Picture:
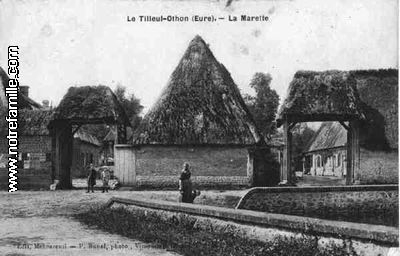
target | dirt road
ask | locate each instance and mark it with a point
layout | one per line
(34, 222)
(40, 223)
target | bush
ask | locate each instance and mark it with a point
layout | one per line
(181, 235)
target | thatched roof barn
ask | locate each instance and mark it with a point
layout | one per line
(200, 118)
(91, 104)
(378, 93)
(201, 104)
(30, 122)
(322, 96)
(378, 90)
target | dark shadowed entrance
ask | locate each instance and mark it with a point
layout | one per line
(82, 105)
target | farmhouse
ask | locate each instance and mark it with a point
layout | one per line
(199, 118)
(84, 105)
(36, 144)
(326, 154)
(35, 154)
(378, 138)
(86, 149)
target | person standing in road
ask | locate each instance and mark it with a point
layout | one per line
(105, 177)
(187, 195)
(91, 180)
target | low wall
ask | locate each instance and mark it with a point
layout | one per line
(363, 238)
(28, 179)
(351, 203)
(379, 167)
(203, 160)
(171, 182)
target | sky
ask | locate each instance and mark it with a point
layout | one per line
(83, 42)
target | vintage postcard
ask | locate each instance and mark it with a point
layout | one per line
(229, 127)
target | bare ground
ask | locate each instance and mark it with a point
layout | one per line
(44, 219)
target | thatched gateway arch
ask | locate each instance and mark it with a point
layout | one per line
(322, 96)
(82, 105)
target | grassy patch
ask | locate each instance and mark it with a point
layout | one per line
(181, 235)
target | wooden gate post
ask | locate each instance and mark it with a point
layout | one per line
(353, 174)
(63, 153)
(355, 151)
(286, 175)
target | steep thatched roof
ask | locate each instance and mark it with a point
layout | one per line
(378, 91)
(86, 137)
(321, 96)
(24, 102)
(111, 136)
(4, 82)
(329, 135)
(91, 104)
(201, 104)
(30, 122)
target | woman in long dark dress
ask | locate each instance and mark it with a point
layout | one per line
(91, 180)
(185, 184)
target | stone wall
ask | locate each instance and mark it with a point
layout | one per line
(28, 179)
(212, 166)
(204, 161)
(362, 238)
(349, 203)
(35, 170)
(378, 167)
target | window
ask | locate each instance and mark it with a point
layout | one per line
(83, 162)
(3, 160)
(33, 160)
(339, 160)
(318, 161)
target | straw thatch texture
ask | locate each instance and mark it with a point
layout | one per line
(4, 82)
(200, 105)
(378, 90)
(86, 137)
(321, 95)
(30, 122)
(91, 104)
(329, 135)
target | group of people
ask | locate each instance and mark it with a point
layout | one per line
(187, 194)
(104, 176)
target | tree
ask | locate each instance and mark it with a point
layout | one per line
(131, 105)
(302, 135)
(264, 105)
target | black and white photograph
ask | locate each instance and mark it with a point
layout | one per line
(206, 127)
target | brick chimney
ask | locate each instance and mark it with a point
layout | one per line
(46, 104)
(24, 89)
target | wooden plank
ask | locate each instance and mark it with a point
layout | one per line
(356, 151)
(124, 156)
(130, 168)
(286, 176)
(117, 162)
(121, 159)
(349, 162)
